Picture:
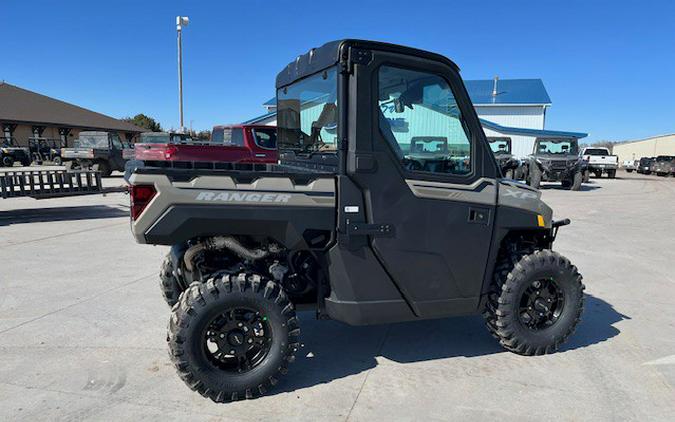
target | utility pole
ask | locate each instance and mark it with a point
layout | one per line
(181, 21)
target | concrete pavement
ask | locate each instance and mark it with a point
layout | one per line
(82, 329)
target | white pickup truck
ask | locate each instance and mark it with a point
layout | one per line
(600, 160)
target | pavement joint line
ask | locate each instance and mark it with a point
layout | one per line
(77, 303)
(47, 347)
(62, 235)
(109, 397)
(379, 353)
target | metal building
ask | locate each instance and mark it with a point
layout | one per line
(649, 147)
(513, 108)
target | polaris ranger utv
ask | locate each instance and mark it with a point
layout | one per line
(359, 228)
(508, 164)
(555, 160)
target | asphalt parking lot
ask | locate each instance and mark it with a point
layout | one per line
(82, 329)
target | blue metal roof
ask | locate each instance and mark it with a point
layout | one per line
(509, 91)
(542, 133)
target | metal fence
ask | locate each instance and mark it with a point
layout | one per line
(49, 183)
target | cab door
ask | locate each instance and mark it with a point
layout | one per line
(116, 159)
(428, 181)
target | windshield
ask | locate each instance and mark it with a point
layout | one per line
(596, 151)
(500, 145)
(307, 114)
(556, 146)
(92, 140)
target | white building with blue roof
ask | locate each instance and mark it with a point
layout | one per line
(508, 108)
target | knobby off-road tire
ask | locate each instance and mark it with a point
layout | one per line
(534, 176)
(576, 181)
(102, 167)
(211, 373)
(504, 313)
(168, 283)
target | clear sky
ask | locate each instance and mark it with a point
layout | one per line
(609, 67)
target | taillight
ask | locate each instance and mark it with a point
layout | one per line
(169, 152)
(141, 195)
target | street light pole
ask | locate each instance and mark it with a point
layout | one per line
(180, 22)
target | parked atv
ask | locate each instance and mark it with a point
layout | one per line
(509, 165)
(555, 160)
(10, 153)
(44, 149)
(366, 226)
(99, 151)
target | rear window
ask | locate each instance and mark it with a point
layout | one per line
(228, 136)
(154, 138)
(265, 138)
(596, 151)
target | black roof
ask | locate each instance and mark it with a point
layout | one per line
(328, 54)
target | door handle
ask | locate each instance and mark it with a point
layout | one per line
(479, 216)
(261, 155)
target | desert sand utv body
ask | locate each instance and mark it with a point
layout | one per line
(351, 225)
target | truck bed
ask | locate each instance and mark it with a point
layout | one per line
(295, 206)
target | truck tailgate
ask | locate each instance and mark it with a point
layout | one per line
(150, 152)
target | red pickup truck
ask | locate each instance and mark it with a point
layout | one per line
(228, 144)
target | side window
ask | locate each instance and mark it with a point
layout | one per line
(265, 138)
(237, 137)
(217, 135)
(422, 122)
(117, 144)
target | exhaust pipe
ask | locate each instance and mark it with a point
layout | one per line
(220, 243)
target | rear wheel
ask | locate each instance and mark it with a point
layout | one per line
(103, 167)
(57, 161)
(7, 161)
(233, 337)
(598, 174)
(536, 303)
(629, 170)
(611, 174)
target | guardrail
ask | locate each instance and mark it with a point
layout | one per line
(49, 183)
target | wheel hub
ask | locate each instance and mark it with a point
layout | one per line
(541, 304)
(237, 340)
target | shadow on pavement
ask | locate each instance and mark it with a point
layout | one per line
(585, 187)
(34, 215)
(333, 350)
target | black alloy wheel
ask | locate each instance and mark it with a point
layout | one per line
(237, 340)
(541, 304)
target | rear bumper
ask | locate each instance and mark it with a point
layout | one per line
(593, 167)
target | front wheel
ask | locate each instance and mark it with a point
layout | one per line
(168, 282)
(576, 181)
(7, 161)
(536, 305)
(233, 337)
(534, 177)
